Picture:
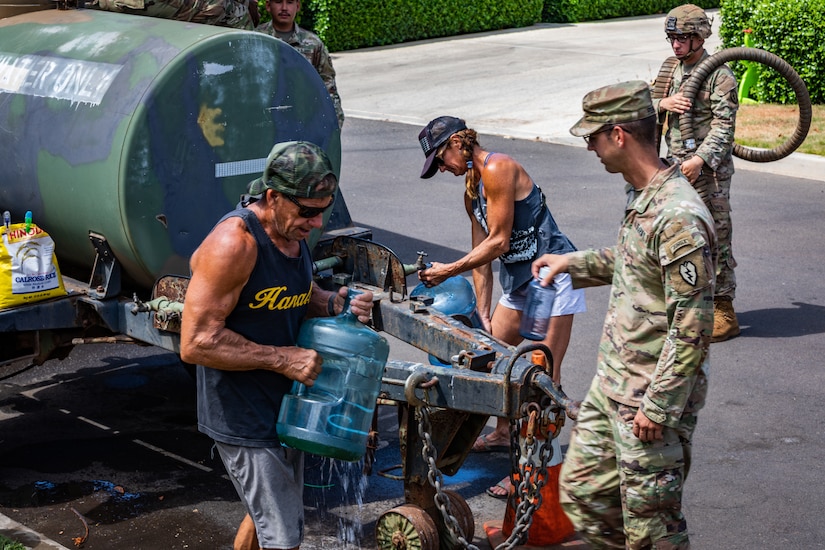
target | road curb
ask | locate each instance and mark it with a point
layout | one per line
(31, 539)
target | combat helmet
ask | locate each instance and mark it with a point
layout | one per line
(688, 19)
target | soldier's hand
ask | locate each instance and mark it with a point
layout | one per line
(692, 168)
(677, 103)
(646, 429)
(302, 365)
(558, 263)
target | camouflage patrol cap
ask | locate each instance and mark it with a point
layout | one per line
(688, 19)
(297, 168)
(433, 136)
(614, 104)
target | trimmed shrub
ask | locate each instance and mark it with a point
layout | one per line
(575, 11)
(790, 29)
(349, 24)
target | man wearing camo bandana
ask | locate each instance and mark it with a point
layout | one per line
(251, 288)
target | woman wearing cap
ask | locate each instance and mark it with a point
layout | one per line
(510, 221)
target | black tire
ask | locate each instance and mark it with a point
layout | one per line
(701, 72)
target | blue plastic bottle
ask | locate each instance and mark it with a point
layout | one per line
(453, 297)
(536, 315)
(333, 417)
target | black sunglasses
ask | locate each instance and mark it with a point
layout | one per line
(680, 38)
(605, 129)
(308, 211)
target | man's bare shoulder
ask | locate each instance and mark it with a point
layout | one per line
(230, 243)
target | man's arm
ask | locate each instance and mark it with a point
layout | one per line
(586, 267)
(688, 275)
(724, 103)
(323, 64)
(220, 268)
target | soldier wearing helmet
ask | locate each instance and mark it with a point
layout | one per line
(710, 166)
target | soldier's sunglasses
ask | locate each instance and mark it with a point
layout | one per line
(308, 211)
(608, 128)
(680, 38)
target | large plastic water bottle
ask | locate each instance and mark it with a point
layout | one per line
(536, 315)
(333, 417)
(454, 297)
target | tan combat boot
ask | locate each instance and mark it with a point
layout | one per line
(725, 325)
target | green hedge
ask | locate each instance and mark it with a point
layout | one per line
(574, 11)
(349, 24)
(791, 29)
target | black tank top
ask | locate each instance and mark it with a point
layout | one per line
(241, 407)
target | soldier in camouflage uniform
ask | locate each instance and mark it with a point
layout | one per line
(238, 14)
(629, 453)
(283, 27)
(710, 167)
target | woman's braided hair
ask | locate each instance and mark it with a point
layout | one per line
(469, 139)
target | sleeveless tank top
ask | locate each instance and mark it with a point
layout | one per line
(534, 233)
(241, 407)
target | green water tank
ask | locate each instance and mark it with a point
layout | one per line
(144, 130)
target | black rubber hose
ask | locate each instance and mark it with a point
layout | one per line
(701, 72)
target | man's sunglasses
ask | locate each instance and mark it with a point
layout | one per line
(680, 38)
(308, 211)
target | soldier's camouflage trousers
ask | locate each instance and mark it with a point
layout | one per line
(716, 195)
(618, 491)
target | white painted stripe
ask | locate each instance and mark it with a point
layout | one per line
(179, 458)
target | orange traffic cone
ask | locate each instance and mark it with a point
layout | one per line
(550, 524)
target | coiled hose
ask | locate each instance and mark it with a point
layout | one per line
(701, 72)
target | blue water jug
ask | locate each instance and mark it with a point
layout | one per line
(333, 417)
(453, 297)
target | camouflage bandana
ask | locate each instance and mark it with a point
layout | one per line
(614, 104)
(297, 168)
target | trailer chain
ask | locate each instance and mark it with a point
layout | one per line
(531, 480)
(434, 476)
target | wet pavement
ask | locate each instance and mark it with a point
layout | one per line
(107, 441)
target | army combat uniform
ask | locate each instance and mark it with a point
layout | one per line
(314, 51)
(619, 491)
(714, 118)
(224, 13)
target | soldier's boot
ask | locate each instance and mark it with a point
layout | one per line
(725, 324)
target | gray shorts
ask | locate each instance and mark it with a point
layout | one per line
(270, 482)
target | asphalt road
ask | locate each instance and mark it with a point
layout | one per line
(110, 431)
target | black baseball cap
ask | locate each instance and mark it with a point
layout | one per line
(433, 136)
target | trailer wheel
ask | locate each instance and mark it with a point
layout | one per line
(406, 527)
(464, 516)
(700, 74)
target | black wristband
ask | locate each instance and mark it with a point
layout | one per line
(331, 305)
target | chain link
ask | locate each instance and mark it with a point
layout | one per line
(442, 501)
(531, 479)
